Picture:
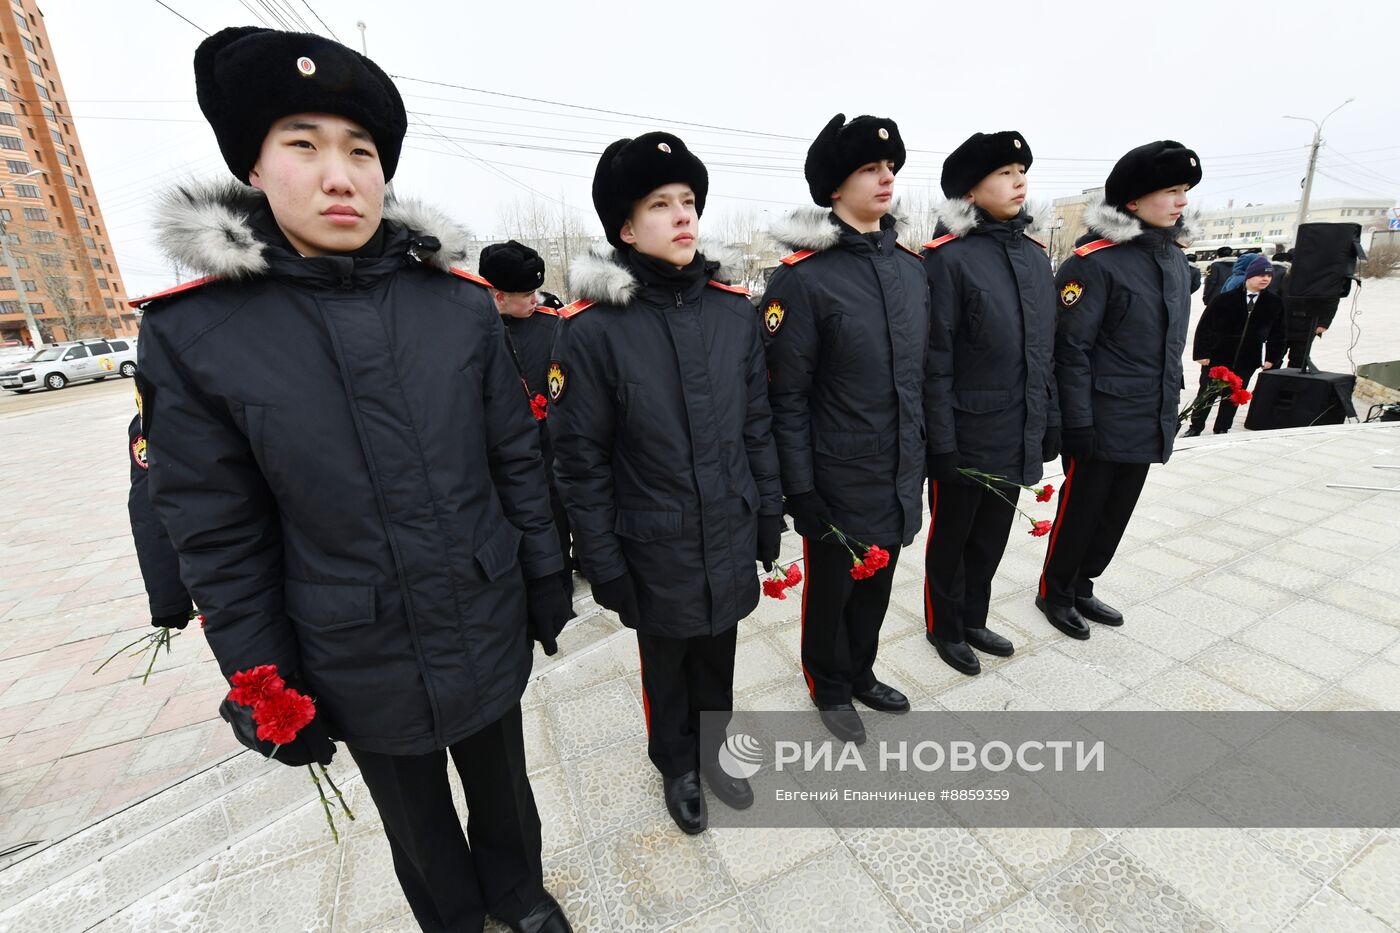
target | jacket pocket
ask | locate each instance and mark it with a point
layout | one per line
(981, 401)
(846, 445)
(329, 606)
(1127, 386)
(647, 524)
(499, 553)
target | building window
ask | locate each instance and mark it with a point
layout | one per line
(29, 286)
(97, 263)
(34, 67)
(7, 118)
(83, 222)
(90, 242)
(52, 260)
(23, 25)
(5, 214)
(43, 236)
(11, 142)
(43, 91)
(21, 262)
(72, 182)
(63, 157)
(48, 112)
(57, 136)
(36, 307)
(17, 166)
(77, 201)
(28, 45)
(109, 302)
(102, 284)
(9, 307)
(35, 213)
(28, 191)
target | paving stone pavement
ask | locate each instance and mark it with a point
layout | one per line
(1248, 584)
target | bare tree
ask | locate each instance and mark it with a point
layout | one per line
(1382, 259)
(555, 231)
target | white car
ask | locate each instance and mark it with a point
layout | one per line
(57, 366)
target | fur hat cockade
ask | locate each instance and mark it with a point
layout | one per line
(630, 169)
(1149, 168)
(248, 77)
(841, 148)
(979, 156)
(511, 267)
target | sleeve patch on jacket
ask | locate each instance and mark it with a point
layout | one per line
(138, 452)
(773, 316)
(558, 381)
(1071, 293)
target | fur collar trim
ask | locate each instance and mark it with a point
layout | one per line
(811, 228)
(204, 226)
(599, 276)
(957, 216)
(1120, 226)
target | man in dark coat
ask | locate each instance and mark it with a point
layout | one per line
(531, 318)
(665, 455)
(340, 452)
(1217, 273)
(160, 567)
(1240, 329)
(847, 323)
(1125, 303)
(989, 389)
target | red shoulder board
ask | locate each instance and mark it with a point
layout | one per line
(797, 257)
(578, 307)
(174, 290)
(736, 289)
(945, 238)
(469, 276)
(1094, 247)
(1035, 241)
(546, 309)
(911, 252)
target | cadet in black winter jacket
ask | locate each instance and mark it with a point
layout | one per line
(1242, 329)
(1125, 302)
(531, 320)
(847, 323)
(160, 566)
(989, 389)
(342, 457)
(1216, 274)
(664, 453)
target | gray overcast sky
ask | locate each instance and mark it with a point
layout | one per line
(1084, 81)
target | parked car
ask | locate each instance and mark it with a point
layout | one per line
(77, 361)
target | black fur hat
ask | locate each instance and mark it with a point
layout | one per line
(979, 156)
(247, 77)
(630, 169)
(1150, 168)
(511, 267)
(841, 148)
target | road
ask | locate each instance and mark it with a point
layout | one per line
(42, 399)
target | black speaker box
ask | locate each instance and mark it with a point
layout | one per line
(1324, 260)
(1290, 398)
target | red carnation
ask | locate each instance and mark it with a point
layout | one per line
(200, 619)
(876, 557)
(1220, 372)
(1240, 397)
(794, 575)
(1040, 528)
(256, 685)
(282, 716)
(539, 407)
(861, 571)
(1044, 493)
(774, 588)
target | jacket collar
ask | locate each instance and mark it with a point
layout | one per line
(962, 218)
(1119, 226)
(602, 276)
(817, 229)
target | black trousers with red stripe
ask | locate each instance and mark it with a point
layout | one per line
(1096, 502)
(841, 619)
(681, 678)
(967, 530)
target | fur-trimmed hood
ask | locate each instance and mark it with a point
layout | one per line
(1120, 226)
(206, 227)
(959, 217)
(600, 276)
(811, 228)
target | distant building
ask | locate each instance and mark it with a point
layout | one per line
(1265, 224)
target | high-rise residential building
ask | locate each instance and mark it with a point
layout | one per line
(53, 225)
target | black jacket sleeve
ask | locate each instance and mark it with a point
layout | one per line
(1076, 331)
(793, 355)
(945, 317)
(758, 428)
(1203, 344)
(207, 489)
(1276, 341)
(160, 567)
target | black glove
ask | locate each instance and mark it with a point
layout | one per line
(311, 744)
(619, 595)
(943, 468)
(809, 509)
(547, 609)
(770, 539)
(1050, 445)
(1079, 443)
(171, 621)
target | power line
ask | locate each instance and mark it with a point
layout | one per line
(184, 17)
(321, 21)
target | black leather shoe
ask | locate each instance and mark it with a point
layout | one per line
(957, 655)
(1193, 431)
(1096, 610)
(884, 698)
(1065, 618)
(685, 801)
(546, 917)
(843, 721)
(989, 642)
(732, 792)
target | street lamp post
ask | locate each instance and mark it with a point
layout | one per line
(34, 336)
(1312, 163)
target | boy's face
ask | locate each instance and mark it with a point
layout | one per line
(665, 225)
(1257, 283)
(323, 182)
(868, 192)
(1161, 208)
(515, 304)
(1002, 193)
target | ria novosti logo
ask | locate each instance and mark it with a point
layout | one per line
(741, 756)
